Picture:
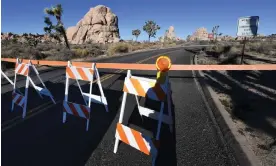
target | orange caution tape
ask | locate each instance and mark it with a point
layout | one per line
(131, 66)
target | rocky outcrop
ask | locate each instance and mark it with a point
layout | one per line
(170, 34)
(199, 34)
(99, 25)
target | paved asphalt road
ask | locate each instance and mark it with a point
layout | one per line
(42, 139)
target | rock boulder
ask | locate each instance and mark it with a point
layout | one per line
(199, 34)
(99, 25)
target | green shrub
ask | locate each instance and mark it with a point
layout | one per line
(22, 52)
(119, 48)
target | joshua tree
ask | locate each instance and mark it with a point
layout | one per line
(188, 38)
(58, 30)
(215, 32)
(151, 28)
(136, 33)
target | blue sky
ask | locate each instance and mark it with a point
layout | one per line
(21, 16)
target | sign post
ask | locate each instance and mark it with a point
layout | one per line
(247, 27)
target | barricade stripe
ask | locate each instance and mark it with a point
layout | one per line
(91, 71)
(66, 108)
(74, 111)
(138, 87)
(148, 88)
(79, 110)
(22, 102)
(85, 111)
(15, 98)
(26, 71)
(76, 74)
(70, 73)
(82, 74)
(125, 88)
(18, 100)
(21, 67)
(121, 133)
(130, 137)
(130, 88)
(88, 74)
(140, 141)
(17, 66)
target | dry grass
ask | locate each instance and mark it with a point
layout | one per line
(119, 48)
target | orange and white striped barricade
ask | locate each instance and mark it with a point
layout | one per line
(20, 99)
(84, 74)
(151, 89)
(137, 140)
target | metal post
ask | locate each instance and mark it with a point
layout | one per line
(243, 48)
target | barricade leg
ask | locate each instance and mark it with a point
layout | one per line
(65, 97)
(101, 90)
(33, 84)
(37, 74)
(87, 124)
(64, 117)
(7, 78)
(153, 160)
(123, 106)
(170, 106)
(138, 105)
(26, 97)
(160, 119)
(14, 88)
(120, 120)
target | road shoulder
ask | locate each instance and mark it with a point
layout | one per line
(234, 141)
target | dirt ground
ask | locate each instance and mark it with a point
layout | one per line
(250, 97)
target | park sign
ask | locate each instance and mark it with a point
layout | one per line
(210, 36)
(248, 26)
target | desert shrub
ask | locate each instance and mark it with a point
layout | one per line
(203, 42)
(81, 52)
(62, 55)
(49, 46)
(19, 51)
(272, 53)
(87, 49)
(14, 53)
(261, 47)
(180, 42)
(218, 48)
(119, 48)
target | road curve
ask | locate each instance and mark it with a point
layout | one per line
(42, 139)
